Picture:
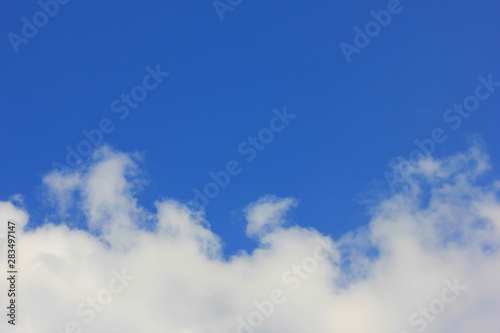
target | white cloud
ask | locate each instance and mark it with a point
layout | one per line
(441, 225)
(267, 213)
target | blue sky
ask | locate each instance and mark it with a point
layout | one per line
(235, 165)
(225, 79)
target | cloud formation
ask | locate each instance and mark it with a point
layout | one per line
(427, 261)
(267, 213)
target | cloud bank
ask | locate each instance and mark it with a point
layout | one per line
(427, 261)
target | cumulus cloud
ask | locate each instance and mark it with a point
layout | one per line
(267, 213)
(427, 261)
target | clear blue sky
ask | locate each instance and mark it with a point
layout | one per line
(225, 79)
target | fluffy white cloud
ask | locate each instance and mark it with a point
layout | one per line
(267, 213)
(394, 275)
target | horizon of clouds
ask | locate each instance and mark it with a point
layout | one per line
(439, 227)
